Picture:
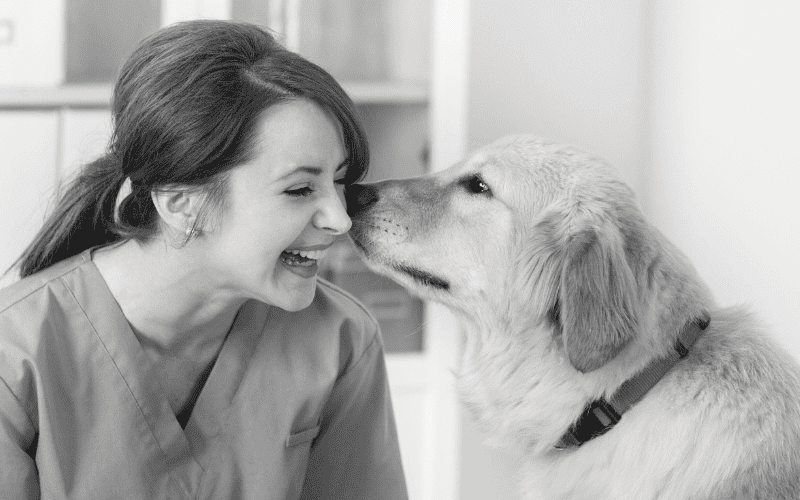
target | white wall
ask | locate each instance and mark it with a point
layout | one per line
(570, 70)
(724, 171)
(695, 101)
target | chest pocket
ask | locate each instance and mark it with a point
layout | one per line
(302, 436)
(298, 446)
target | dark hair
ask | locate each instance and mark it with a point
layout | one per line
(185, 111)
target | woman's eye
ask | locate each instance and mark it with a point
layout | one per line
(476, 185)
(303, 191)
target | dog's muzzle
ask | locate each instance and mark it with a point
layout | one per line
(371, 224)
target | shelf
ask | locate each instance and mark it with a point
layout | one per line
(99, 96)
(387, 92)
(77, 96)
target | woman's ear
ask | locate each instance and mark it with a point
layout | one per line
(177, 208)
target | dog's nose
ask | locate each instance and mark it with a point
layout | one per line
(358, 197)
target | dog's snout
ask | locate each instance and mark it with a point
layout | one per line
(359, 197)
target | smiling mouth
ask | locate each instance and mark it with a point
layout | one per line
(423, 278)
(302, 258)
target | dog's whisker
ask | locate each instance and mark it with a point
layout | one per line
(418, 331)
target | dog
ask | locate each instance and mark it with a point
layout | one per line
(590, 342)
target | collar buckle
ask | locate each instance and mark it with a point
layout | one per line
(598, 418)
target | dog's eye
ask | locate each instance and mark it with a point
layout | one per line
(476, 185)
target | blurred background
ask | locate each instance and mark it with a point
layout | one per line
(695, 101)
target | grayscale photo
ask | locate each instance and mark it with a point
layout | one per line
(399, 250)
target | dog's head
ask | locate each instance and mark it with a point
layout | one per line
(523, 233)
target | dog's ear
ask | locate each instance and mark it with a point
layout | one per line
(597, 297)
(583, 279)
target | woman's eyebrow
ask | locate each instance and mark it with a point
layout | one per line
(317, 171)
(299, 170)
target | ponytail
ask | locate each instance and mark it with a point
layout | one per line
(82, 218)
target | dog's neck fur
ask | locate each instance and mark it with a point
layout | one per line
(501, 369)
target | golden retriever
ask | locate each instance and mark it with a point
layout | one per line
(572, 301)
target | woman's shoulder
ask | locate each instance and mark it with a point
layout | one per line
(41, 282)
(347, 305)
(340, 325)
(34, 311)
(34, 323)
(359, 331)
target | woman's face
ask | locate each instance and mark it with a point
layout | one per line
(283, 209)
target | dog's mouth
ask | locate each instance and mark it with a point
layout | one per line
(423, 278)
(358, 244)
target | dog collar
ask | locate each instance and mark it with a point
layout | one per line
(601, 415)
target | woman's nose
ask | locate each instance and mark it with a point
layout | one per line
(332, 216)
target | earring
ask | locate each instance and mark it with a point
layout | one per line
(191, 232)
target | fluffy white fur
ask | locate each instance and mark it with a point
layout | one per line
(566, 291)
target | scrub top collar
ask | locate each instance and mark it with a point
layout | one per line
(192, 446)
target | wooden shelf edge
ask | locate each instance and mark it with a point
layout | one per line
(99, 95)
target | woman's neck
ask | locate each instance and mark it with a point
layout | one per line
(170, 303)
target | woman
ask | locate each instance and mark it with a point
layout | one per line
(169, 338)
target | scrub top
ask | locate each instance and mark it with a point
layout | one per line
(296, 406)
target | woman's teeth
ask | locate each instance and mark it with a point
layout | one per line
(302, 257)
(308, 254)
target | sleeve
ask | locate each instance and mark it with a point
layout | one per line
(356, 456)
(19, 477)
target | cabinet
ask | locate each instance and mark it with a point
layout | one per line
(405, 72)
(28, 158)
